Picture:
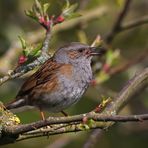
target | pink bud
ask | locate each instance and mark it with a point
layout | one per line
(60, 19)
(22, 59)
(41, 19)
(44, 22)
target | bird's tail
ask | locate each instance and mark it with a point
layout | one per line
(15, 104)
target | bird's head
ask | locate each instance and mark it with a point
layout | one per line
(75, 53)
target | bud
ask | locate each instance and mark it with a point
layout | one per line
(60, 19)
(41, 19)
(22, 59)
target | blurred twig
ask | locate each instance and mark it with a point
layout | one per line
(135, 23)
(117, 25)
(126, 65)
(83, 4)
(93, 138)
(62, 141)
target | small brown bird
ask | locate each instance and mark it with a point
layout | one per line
(60, 81)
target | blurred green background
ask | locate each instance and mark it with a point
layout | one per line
(13, 22)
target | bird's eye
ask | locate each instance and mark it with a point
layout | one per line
(81, 50)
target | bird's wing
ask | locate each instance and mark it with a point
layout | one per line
(45, 79)
(42, 75)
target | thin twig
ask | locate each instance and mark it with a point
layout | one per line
(61, 142)
(117, 25)
(125, 66)
(25, 68)
(83, 4)
(93, 138)
(47, 40)
(134, 23)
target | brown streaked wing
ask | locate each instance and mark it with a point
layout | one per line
(42, 75)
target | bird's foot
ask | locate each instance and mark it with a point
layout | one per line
(64, 113)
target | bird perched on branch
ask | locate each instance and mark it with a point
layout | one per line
(60, 81)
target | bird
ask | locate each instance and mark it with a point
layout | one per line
(60, 82)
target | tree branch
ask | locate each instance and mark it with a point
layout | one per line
(103, 123)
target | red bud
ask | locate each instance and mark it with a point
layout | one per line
(60, 19)
(44, 22)
(41, 19)
(22, 59)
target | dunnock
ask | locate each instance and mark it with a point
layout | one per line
(60, 81)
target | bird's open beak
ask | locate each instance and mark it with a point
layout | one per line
(94, 52)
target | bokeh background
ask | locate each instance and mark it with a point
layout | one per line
(131, 43)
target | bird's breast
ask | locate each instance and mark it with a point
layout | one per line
(73, 87)
(70, 89)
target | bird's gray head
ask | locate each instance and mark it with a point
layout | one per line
(74, 53)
